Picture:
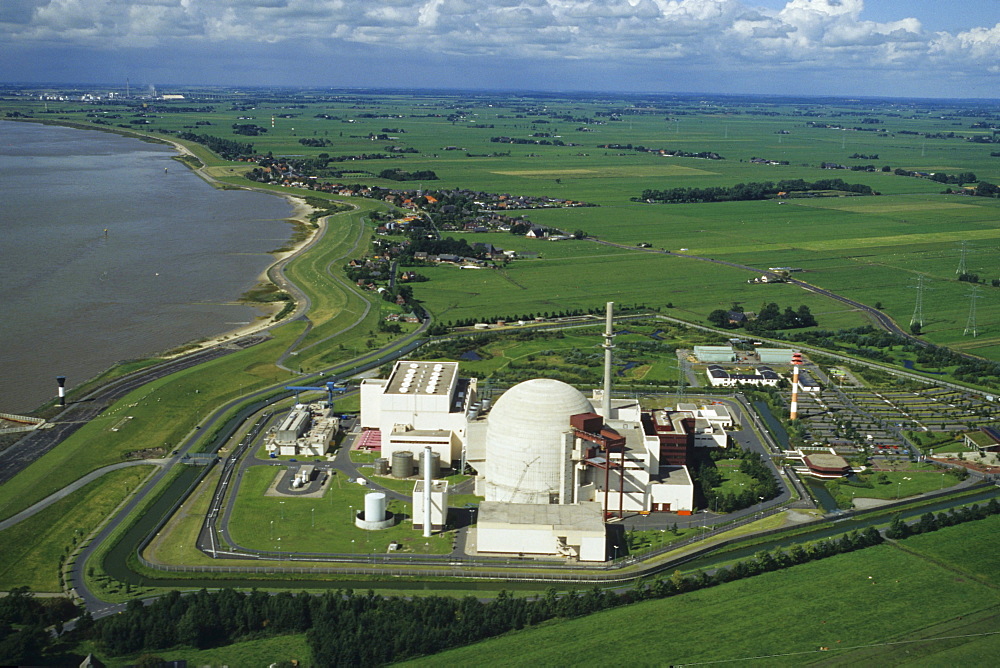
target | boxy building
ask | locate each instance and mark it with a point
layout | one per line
(420, 404)
(715, 353)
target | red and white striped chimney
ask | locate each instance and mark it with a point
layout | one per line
(796, 363)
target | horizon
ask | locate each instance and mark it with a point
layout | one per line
(528, 92)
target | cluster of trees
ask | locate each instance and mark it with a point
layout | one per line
(770, 318)
(751, 464)
(742, 192)
(399, 175)
(677, 153)
(227, 149)
(940, 177)
(985, 189)
(248, 129)
(565, 313)
(337, 622)
(23, 620)
(930, 522)
(535, 142)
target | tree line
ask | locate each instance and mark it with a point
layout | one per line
(748, 191)
(227, 149)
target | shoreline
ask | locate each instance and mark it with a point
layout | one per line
(265, 311)
(299, 215)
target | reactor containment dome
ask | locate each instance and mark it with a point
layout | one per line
(529, 440)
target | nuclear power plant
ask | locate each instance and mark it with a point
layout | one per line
(552, 464)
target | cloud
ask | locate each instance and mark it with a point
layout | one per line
(735, 35)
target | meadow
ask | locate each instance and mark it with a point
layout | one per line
(923, 600)
(868, 248)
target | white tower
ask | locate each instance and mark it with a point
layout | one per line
(608, 346)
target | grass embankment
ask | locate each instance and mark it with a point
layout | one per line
(910, 479)
(867, 607)
(31, 551)
(158, 415)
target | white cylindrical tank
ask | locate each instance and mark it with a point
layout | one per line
(374, 507)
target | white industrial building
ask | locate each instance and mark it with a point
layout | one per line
(421, 404)
(573, 531)
(306, 431)
(439, 504)
(763, 375)
(715, 353)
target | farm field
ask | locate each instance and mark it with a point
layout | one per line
(605, 151)
(919, 598)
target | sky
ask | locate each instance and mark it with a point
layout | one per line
(886, 48)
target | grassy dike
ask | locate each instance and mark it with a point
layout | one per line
(31, 551)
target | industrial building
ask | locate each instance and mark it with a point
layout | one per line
(438, 504)
(715, 353)
(763, 375)
(306, 431)
(421, 404)
(552, 464)
(774, 355)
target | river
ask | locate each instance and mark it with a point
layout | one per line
(176, 255)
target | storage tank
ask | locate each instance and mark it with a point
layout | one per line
(374, 507)
(402, 464)
(381, 466)
(435, 465)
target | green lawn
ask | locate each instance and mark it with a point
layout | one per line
(319, 525)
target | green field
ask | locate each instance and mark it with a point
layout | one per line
(32, 549)
(319, 525)
(927, 601)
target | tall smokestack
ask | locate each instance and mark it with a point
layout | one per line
(793, 413)
(609, 336)
(62, 389)
(427, 492)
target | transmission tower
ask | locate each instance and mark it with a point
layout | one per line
(961, 262)
(970, 325)
(918, 308)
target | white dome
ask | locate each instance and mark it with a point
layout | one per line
(525, 436)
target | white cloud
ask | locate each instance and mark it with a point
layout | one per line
(733, 34)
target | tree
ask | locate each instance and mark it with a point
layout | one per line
(897, 528)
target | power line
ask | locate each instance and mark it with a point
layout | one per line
(961, 262)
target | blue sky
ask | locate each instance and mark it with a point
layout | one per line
(916, 48)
